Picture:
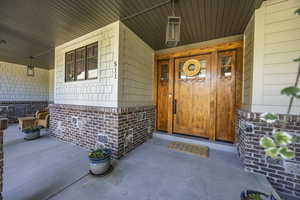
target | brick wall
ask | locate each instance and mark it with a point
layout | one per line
(3, 126)
(15, 109)
(283, 175)
(119, 129)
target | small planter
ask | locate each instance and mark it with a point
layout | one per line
(255, 195)
(100, 161)
(32, 133)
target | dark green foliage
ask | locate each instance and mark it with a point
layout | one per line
(30, 130)
(291, 92)
(297, 59)
(98, 154)
(254, 196)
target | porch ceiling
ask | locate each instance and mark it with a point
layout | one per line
(35, 27)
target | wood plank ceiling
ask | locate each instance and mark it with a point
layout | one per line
(35, 27)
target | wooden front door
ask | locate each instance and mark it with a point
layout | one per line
(192, 96)
(200, 102)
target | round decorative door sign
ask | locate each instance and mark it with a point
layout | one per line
(191, 67)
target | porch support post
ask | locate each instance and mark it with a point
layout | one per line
(3, 126)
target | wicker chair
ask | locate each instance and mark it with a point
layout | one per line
(42, 118)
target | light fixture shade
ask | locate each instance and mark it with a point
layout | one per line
(30, 70)
(30, 67)
(173, 31)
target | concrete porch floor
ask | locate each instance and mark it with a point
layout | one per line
(49, 169)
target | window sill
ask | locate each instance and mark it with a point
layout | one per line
(82, 81)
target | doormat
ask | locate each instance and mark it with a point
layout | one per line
(194, 149)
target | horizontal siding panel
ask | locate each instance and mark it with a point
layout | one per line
(248, 43)
(248, 69)
(248, 62)
(283, 26)
(247, 87)
(274, 90)
(281, 57)
(275, 7)
(286, 68)
(279, 79)
(247, 91)
(282, 47)
(248, 82)
(278, 100)
(289, 35)
(281, 16)
(248, 53)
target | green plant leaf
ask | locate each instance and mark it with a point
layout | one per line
(266, 142)
(254, 196)
(273, 152)
(297, 59)
(282, 138)
(291, 92)
(268, 117)
(286, 153)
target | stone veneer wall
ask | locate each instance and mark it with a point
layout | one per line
(283, 175)
(15, 109)
(119, 129)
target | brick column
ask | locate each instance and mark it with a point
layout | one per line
(284, 175)
(3, 126)
(118, 129)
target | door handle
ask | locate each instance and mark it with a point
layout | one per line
(174, 107)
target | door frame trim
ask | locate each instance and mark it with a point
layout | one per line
(213, 50)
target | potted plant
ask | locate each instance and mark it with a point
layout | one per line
(99, 161)
(254, 195)
(31, 133)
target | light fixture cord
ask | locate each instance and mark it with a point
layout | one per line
(173, 7)
(31, 59)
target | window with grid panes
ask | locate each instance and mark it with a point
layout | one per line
(82, 63)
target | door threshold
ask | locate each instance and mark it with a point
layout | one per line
(217, 145)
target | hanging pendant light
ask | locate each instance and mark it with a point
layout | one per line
(30, 67)
(173, 28)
